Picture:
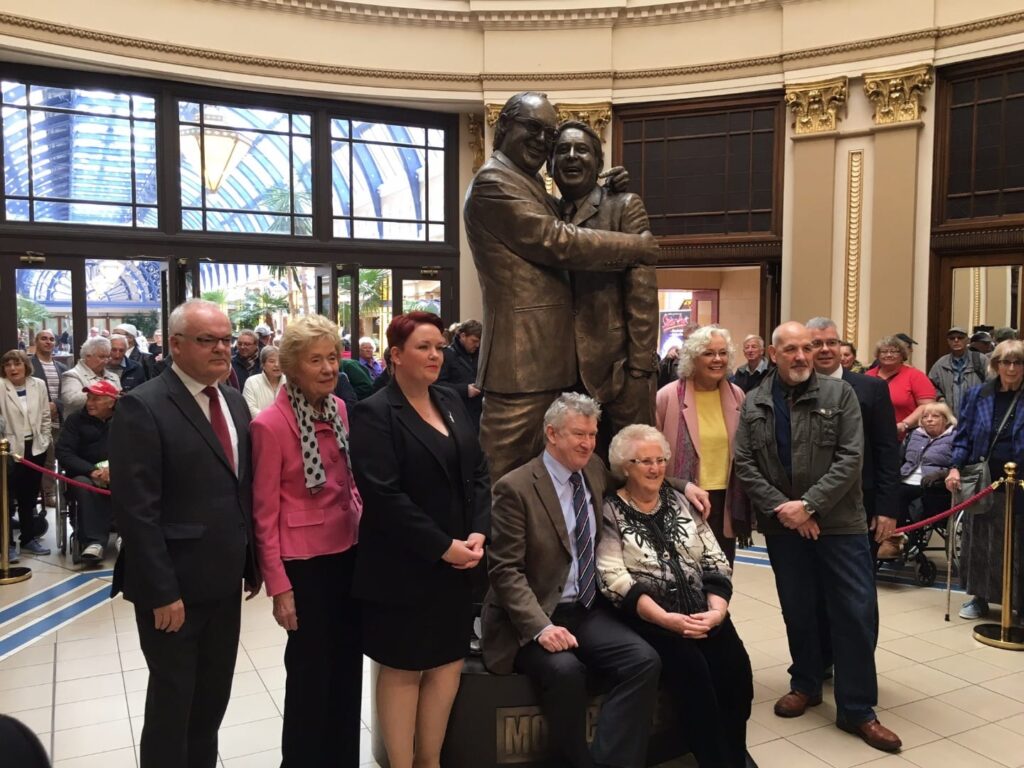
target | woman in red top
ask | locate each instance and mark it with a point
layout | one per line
(909, 388)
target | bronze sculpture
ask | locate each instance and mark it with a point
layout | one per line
(615, 314)
(524, 253)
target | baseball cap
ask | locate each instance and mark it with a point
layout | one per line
(263, 330)
(127, 328)
(103, 388)
(956, 329)
(982, 336)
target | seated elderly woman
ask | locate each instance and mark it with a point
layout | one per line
(260, 390)
(927, 459)
(661, 565)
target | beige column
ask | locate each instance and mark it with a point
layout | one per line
(896, 98)
(816, 108)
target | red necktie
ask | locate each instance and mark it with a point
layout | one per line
(220, 425)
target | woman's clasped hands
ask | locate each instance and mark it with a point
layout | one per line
(464, 555)
(694, 625)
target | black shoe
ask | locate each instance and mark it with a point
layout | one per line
(750, 762)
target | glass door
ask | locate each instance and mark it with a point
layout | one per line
(428, 289)
(38, 292)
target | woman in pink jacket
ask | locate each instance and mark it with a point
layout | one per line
(306, 519)
(698, 415)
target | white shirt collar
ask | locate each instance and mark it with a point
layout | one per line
(837, 373)
(194, 387)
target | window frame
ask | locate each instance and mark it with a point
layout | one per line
(170, 237)
(718, 249)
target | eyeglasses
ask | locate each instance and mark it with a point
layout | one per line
(1011, 363)
(830, 343)
(207, 342)
(657, 461)
(890, 353)
(537, 128)
(711, 354)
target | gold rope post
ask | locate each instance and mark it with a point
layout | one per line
(1005, 635)
(8, 574)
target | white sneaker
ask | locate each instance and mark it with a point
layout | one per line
(93, 552)
(975, 608)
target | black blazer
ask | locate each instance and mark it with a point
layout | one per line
(881, 471)
(184, 516)
(407, 522)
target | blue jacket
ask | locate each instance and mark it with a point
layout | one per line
(974, 430)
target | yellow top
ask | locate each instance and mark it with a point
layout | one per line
(714, 441)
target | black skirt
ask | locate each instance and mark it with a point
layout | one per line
(420, 636)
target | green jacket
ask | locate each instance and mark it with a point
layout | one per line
(358, 377)
(828, 447)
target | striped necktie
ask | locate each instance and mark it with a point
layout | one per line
(586, 575)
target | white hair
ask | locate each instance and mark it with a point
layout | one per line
(753, 337)
(697, 342)
(567, 403)
(368, 340)
(624, 445)
(179, 315)
(95, 344)
(119, 337)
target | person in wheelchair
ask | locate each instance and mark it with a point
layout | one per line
(82, 453)
(927, 459)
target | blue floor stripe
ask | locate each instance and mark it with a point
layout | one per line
(22, 637)
(32, 602)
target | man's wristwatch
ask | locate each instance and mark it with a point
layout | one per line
(807, 507)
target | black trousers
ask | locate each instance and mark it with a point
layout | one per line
(617, 653)
(94, 514)
(712, 687)
(190, 675)
(324, 662)
(25, 485)
(716, 521)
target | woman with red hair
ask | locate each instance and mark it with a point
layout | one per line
(426, 516)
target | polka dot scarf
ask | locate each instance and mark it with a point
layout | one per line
(306, 417)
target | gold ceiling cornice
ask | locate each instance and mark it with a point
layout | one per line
(88, 39)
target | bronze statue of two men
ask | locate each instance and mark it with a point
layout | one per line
(569, 289)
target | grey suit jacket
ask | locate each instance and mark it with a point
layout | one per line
(616, 315)
(522, 249)
(529, 557)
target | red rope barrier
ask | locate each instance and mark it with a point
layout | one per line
(943, 515)
(62, 478)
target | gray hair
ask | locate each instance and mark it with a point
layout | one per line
(623, 447)
(892, 341)
(268, 351)
(697, 342)
(94, 345)
(248, 332)
(118, 337)
(368, 340)
(179, 315)
(821, 324)
(568, 403)
(753, 337)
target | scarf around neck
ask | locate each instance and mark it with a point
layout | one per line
(306, 416)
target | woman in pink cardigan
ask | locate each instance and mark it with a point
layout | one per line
(698, 415)
(306, 520)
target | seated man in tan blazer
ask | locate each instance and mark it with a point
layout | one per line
(544, 616)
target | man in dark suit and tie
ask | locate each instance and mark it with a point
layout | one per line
(180, 478)
(615, 314)
(523, 251)
(544, 616)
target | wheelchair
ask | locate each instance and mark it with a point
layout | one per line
(67, 521)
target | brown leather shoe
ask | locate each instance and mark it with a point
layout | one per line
(875, 735)
(795, 703)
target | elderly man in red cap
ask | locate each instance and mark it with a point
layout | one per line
(82, 453)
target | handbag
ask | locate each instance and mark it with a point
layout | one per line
(976, 477)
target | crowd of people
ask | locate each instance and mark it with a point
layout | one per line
(603, 490)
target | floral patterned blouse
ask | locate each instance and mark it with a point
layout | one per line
(669, 554)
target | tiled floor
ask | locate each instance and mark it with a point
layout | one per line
(953, 701)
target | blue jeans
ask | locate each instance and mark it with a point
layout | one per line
(838, 571)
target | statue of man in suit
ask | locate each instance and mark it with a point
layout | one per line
(524, 253)
(615, 314)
